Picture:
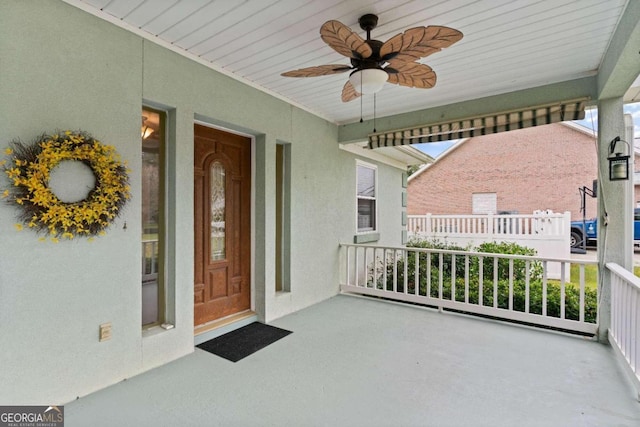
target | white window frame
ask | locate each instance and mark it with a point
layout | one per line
(484, 203)
(360, 163)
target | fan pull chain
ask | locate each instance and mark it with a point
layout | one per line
(361, 100)
(374, 113)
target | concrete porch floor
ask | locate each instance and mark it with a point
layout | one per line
(361, 362)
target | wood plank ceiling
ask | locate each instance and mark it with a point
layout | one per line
(507, 45)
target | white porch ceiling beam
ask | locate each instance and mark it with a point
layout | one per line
(573, 89)
(621, 64)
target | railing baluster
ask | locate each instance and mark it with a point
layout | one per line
(562, 291)
(154, 259)
(581, 283)
(495, 282)
(348, 269)
(440, 274)
(636, 331)
(453, 277)
(428, 275)
(416, 277)
(374, 275)
(633, 330)
(384, 269)
(615, 307)
(627, 309)
(374, 263)
(466, 279)
(544, 288)
(527, 291)
(510, 284)
(357, 266)
(395, 270)
(366, 267)
(624, 298)
(405, 285)
(480, 280)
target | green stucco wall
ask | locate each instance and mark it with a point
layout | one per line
(61, 68)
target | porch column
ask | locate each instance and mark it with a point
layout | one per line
(615, 209)
(262, 178)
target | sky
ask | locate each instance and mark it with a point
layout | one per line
(434, 149)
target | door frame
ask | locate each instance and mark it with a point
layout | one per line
(253, 201)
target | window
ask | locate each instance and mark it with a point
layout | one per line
(283, 217)
(153, 217)
(218, 211)
(484, 203)
(366, 183)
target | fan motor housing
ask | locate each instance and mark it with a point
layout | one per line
(374, 61)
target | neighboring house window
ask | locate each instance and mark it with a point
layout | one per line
(366, 179)
(484, 203)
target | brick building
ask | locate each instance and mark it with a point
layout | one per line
(524, 170)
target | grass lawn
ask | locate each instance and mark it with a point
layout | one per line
(590, 275)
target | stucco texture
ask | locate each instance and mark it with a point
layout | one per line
(64, 69)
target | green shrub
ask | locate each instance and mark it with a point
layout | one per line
(519, 266)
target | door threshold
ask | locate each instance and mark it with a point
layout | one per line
(218, 327)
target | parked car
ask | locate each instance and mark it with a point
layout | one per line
(578, 232)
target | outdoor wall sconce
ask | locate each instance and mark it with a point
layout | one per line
(618, 162)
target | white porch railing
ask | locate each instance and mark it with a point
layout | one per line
(149, 261)
(511, 287)
(624, 334)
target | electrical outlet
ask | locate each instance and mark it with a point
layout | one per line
(105, 332)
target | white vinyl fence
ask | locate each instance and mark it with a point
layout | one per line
(546, 232)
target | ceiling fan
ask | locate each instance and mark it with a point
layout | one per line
(373, 62)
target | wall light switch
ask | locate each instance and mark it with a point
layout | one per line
(105, 332)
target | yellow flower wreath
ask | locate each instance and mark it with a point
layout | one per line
(29, 168)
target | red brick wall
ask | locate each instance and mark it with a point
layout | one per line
(529, 169)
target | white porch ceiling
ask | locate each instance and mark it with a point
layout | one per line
(508, 44)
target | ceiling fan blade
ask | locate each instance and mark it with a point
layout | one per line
(349, 93)
(319, 70)
(343, 40)
(414, 75)
(419, 42)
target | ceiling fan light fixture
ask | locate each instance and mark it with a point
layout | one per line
(369, 80)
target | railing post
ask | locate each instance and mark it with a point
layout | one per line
(428, 230)
(566, 225)
(490, 231)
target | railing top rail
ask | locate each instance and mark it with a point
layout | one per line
(535, 216)
(479, 254)
(625, 274)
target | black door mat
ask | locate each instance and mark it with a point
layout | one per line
(238, 344)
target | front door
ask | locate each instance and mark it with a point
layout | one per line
(222, 208)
